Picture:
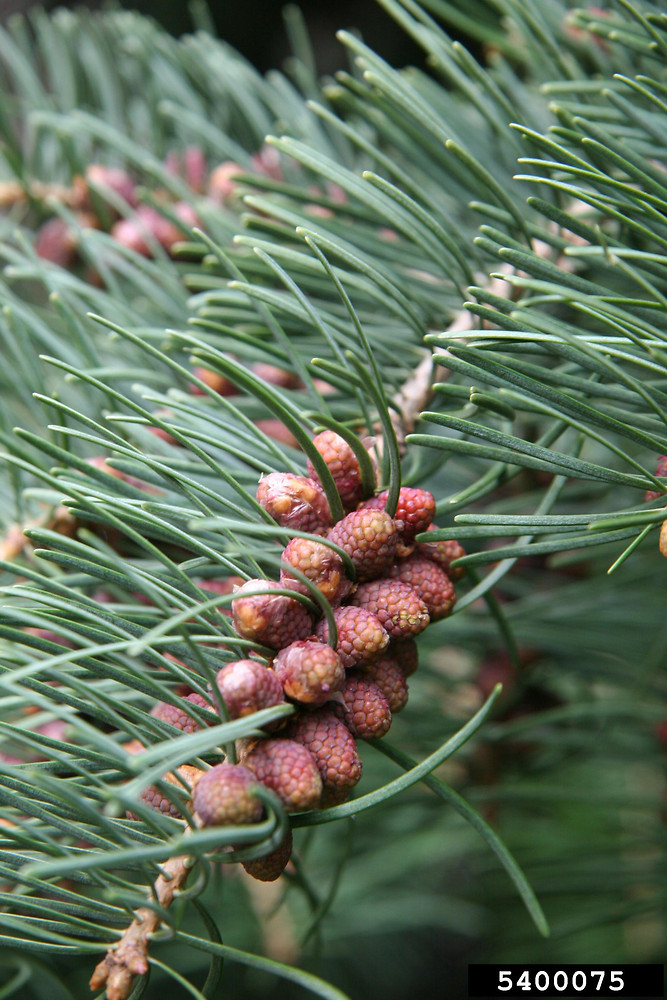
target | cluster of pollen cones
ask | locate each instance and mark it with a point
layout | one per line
(386, 590)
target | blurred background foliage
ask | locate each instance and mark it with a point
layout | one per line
(540, 439)
(257, 29)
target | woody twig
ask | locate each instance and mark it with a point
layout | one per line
(128, 957)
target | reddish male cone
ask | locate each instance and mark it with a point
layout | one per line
(415, 509)
(370, 538)
(310, 671)
(178, 717)
(391, 680)
(431, 583)
(277, 431)
(267, 161)
(271, 619)
(221, 185)
(223, 587)
(294, 502)
(443, 554)
(190, 164)
(333, 747)
(361, 636)
(271, 866)
(660, 471)
(399, 607)
(363, 708)
(115, 179)
(289, 770)
(343, 466)
(139, 232)
(247, 687)
(662, 539)
(320, 564)
(215, 381)
(156, 799)
(55, 241)
(405, 654)
(224, 796)
(277, 376)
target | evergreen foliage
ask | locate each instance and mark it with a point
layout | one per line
(471, 258)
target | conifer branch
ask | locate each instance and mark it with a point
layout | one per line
(386, 173)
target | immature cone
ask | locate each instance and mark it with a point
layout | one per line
(190, 164)
(224, 796)
(55, 241)
(370, 538)
(443, 554)
(178, 717)
(661, 471)
(405, 654)
(267, 161)
(181, 688)
(223, 587)
(310, 671)
(271, 866)
(320, 564)
(289, 770)
(431, 583)
(399, 607)
(100, 462)
(333, 747)
(48, 636)
(215, 381)
(662, 544)
(153, 797)
(147, 226)
(272, 619)
(161, 433)
(361, 636)
(391, 680)
(363, 708)
(415, 509)
(221, 186)
(334, 797)
(114, 178)
(343, 466)
(276, 376)
(277, 431)
(247, 687)
(295, 502)
(186, 214)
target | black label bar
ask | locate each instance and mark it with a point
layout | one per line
(566, 981)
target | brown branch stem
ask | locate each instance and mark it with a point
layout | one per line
(128, 957)
(417, 391)
(14, 193)
(15, 540)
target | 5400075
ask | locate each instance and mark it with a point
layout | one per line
(565, 981)
(561, 980)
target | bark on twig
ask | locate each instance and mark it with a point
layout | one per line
(14, 193)
(416, 392)
(15, 540)
(128, 957)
